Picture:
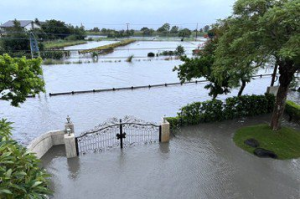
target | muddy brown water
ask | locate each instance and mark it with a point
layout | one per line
(199, 162)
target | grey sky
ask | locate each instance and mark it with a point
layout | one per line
(116, 13)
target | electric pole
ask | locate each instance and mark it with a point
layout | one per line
(127, 24)
(196, 32)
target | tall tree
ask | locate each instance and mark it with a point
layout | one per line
(185, 32)
(146, 31)
(164, 29)
(56, 29)
(258, 31)
(206, 28)
(174, 29)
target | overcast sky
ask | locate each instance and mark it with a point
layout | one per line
(116, 13)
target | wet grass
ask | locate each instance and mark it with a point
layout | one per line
(62, 43)
(109, 48)
(284, 142)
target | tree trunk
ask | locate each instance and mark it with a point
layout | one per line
(279, 107)
(286, 71)
(242, 88)
(274, 74)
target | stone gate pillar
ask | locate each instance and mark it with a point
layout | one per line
(69, 139)
(165, 131)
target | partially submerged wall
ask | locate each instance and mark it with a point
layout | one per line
(43, 143)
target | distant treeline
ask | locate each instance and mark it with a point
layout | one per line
(165, 30)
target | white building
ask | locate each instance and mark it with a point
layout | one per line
(27, 25)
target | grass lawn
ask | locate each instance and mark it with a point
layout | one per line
(285, 142)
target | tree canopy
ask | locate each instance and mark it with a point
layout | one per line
(201, 66)
(56, 29)
(19, 78)
(257, 32)
(185, 32)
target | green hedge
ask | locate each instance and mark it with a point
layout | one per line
(293, 110)
(216, 110)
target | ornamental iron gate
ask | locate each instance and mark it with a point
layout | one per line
(117, 133)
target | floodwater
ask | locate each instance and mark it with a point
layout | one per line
(41, 114)
(199, 162)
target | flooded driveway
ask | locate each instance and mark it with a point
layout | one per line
(199, 162)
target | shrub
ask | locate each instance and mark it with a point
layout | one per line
(175, 122)
(129, 59)
(54, 54)
(95, 54)
(233, 107)
(167, 53)
(179, 50)
(71, 38)
(151, 54)
(20, 173)
(293, 110)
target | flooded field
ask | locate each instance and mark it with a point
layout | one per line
(41, 114)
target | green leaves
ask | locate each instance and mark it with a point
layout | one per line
(20, 172)
(216, 110)
(19, 78)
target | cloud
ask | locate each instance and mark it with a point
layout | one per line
(98, 13)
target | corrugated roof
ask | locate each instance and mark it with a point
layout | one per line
(10, 23)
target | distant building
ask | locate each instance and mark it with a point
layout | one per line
(27, 25)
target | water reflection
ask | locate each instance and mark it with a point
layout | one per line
(73, 167)
(164, 147)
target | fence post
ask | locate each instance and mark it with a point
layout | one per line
(69, 139)
(165, 131)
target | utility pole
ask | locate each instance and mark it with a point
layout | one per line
(127, 24)
(196, 32)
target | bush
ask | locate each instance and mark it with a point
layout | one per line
(293, 110)
(20, 173)
(54, 54)
(179, 50)
(216, 110)
(151, 54)
(71, 38)
(20, 54)
(129, 59)
(167, 53)
(175, 122)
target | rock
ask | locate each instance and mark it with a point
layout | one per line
(263, 153)
(252, 142)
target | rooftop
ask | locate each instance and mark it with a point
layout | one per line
(10, 23)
